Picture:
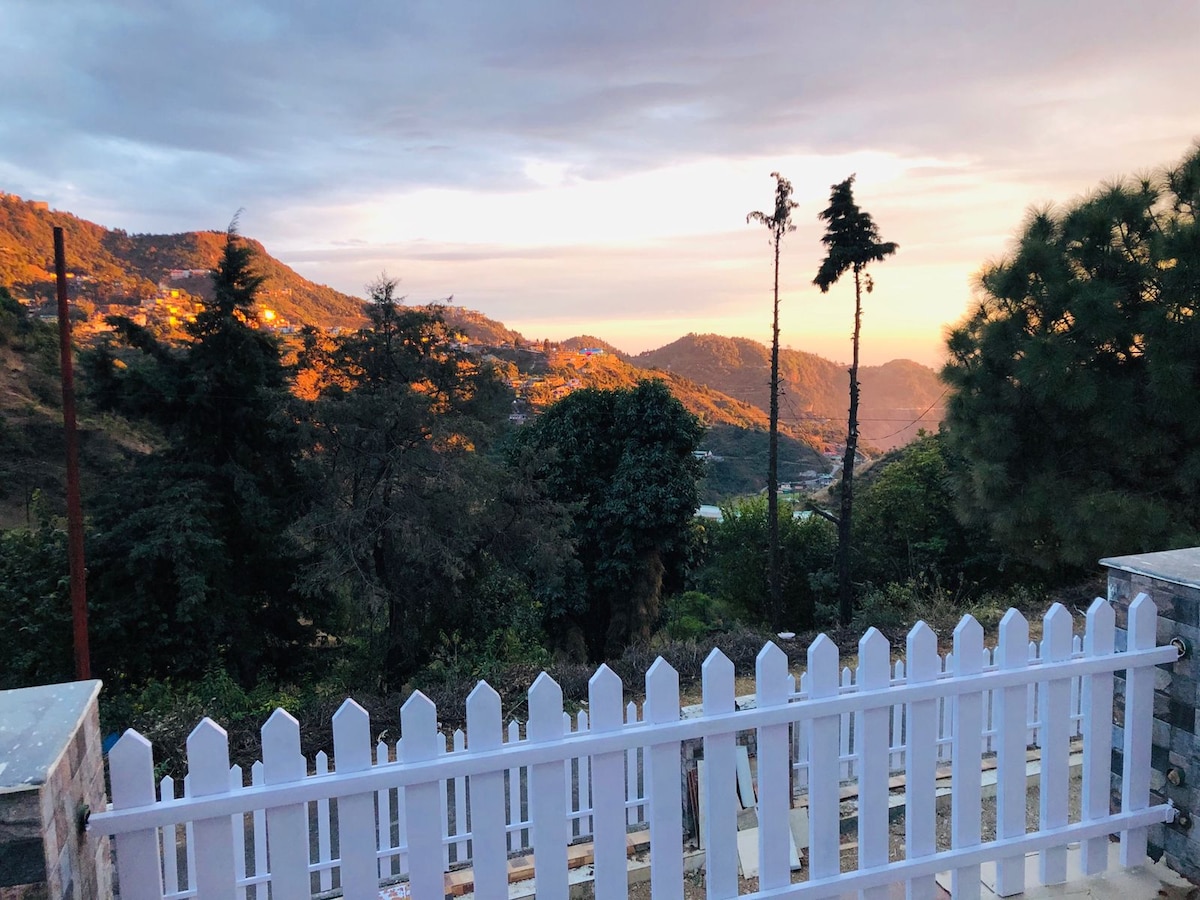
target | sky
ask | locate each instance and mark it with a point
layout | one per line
(572, 168)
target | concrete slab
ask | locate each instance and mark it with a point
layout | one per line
(747, 842)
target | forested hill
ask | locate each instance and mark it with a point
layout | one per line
(814, 390)
(736, 431)
(111, 266)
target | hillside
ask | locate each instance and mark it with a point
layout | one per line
(591, 342)
(111, 266)
(737, 431)
(32, 451)
(571, 369)
(814, 390)
(479, 328)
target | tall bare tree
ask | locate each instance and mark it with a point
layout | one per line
(778, 223)
(852, 242)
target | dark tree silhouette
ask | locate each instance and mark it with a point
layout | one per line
(852, 242)
(1075, 379)
(778, 223)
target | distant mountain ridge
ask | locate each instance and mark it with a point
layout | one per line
(814, 390)
(724, 380)
(111, 266)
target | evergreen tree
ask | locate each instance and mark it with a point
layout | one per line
(778, 223)
(1076, 379)
(852, 243)
(418, 527)
(191, 559)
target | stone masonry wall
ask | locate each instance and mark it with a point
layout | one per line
(44, 853)
(1175, 754)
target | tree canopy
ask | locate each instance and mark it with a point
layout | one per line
(851, 242)
(416, 526)
(192, 560)
(624, 459)
(1076, 378)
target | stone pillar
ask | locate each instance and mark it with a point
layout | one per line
(51, 773)
(1172, 580)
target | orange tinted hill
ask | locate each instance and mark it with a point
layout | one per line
(109, 265)
(814, 389)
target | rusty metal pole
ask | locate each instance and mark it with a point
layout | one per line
(83, 662)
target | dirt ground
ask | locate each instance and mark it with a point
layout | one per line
(694, 884)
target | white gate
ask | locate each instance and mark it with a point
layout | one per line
(569, 779)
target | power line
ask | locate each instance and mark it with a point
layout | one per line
(910, 424)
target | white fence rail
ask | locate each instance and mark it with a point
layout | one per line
(430, 804)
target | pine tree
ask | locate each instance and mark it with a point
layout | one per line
(1075, 379)
(778, 223)
(193, 561)
(852, 243)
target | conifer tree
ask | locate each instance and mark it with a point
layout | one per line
(1075, 379)
(778, 223)
(193, 563)
(852, 243)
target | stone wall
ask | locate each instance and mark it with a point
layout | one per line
(44, 850)
(1172, 580)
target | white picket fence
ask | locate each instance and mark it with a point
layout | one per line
(850, 724)
(592, 776)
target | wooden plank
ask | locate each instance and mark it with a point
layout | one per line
(324, 828)
(1139, 719)
(775, 845)
(287, 826)
(1011, 724)
(444, 806)
(170, 835)
(383, 818)
(920, 813)
(208, 768)
(547, 792)
(356, 813)
(966, 805)
(459, 847)
(1054, 712)
(664, 793)
(1097, 708)
(718, 783)
(419, 743)
(824, 857)
(608, 814)
(874, 672)
(745, 780)
(489, 862)
(633, 757)
(257, 776)
(131, 769)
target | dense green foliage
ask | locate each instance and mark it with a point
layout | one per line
(737, 554)
(368, 519)
(35, 605)
(1076, 379)
(905, 527)
(624, 459)
(190, 556)
(420, 528)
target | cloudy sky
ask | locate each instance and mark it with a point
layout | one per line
(573, 167)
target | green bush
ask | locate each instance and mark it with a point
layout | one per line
(694, 614)
(35, 604)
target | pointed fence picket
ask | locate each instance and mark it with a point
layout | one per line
(593, 775)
